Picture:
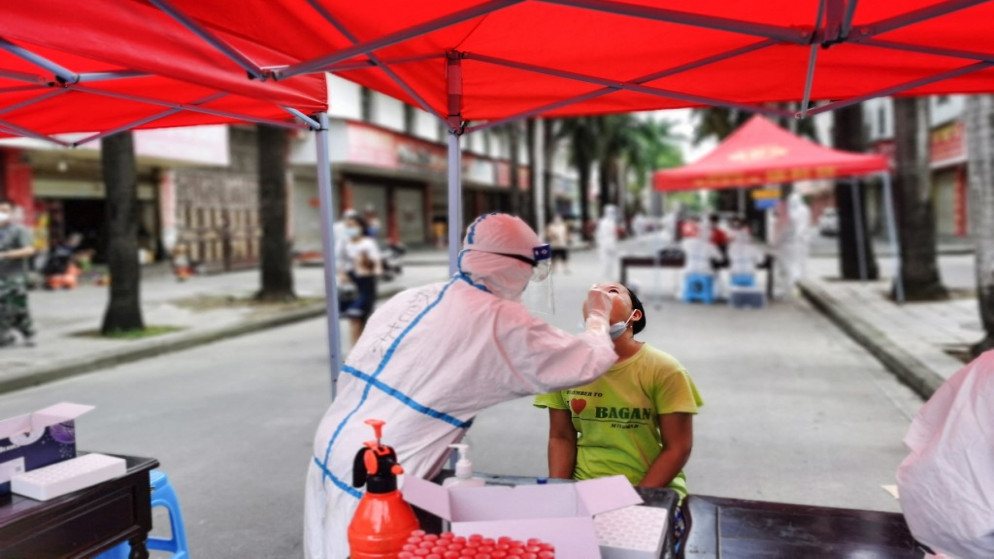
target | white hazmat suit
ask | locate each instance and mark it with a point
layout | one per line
(606, 238)
(431, 358)
(793, 238)
(946, 484)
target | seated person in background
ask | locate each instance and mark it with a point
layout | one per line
(701, 256)
(719, 238)
(743, 256)
(636, 420)
(946, 484)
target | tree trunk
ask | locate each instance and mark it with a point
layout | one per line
(549, 149)
(914, 200)
(514, 144)
(124, 313)
(583, 168)
(604, 183)
(980, 143)
(847, 134)
(277, 273)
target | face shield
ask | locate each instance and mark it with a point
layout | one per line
(538, 296)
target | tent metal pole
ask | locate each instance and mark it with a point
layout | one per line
(782, 34)
(455, 200)
(938, 51)
(366, 64)
(812, 60)
(315, 125)
(327, 203)
(21, 131)
(630, 86)
(209, 37)
(33, 100)
(190, 107)
(23, 77)
(104, 76)
(143, 121)
(538, 167)
(857, 209)
(847, 20)
(901, 87)
(453, 81)
(644, 79)
(375, 59)
(318, 64)
(62, 73)
(895, 241)
(15, 89)
(909, 18)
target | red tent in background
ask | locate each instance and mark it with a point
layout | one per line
(760, 152)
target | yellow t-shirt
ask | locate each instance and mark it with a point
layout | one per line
(617, 415)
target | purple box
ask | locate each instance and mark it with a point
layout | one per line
(37, 439)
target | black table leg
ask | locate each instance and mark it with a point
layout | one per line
(138, 549)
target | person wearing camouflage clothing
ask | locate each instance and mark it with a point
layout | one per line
(15, 250)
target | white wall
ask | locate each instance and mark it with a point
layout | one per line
(388, 112)
(425, 125)
(946, 108)
(343, 97)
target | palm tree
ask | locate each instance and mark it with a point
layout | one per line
(124, 313)
(276, 268)
(584, 146)
(914, 200)
(979, 118)
(848, 134)
(637, 144)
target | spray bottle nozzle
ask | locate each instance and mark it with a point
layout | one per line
(377, 425)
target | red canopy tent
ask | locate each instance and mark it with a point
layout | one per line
(760, 152)
(495, 60)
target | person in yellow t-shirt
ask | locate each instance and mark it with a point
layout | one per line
(635, 420)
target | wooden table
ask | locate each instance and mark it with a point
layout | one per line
(732, 528)
(83, 523)
(643, 261)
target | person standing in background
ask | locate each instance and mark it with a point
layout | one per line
(16, 249)
(557, 233)
(361, 264)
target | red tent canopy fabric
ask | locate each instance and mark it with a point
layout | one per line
(155, 64)
(760, 152)
(568, 57)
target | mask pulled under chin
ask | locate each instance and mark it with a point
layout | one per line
(615, 330)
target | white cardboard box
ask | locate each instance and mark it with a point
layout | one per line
(558, 513)
(37, 439)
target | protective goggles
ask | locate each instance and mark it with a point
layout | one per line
(541, 263)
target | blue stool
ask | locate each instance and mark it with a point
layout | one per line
(163, 495)
(698, 287)
(744, 280)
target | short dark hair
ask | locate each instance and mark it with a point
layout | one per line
(639, 324)
(363, 225)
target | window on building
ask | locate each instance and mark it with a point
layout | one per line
(487, 142)
(881, 121)
(366, 104)
(410, 120)
(443, 132)
(941, 99)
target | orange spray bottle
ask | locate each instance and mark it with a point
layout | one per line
(383, 521)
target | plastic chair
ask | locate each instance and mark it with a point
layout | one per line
(163, 495)
(698, 287)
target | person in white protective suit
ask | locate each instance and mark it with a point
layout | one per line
(793, 238)
(606, 238)
(699, 254)
(743, 255)
(432, 357)
(946, 484)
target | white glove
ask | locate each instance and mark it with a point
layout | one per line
(598, 311)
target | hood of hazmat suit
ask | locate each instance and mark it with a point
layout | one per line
(946, 484)
(430, 359)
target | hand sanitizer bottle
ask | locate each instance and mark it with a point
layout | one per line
(464, 470)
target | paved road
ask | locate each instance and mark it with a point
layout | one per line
(794, 412)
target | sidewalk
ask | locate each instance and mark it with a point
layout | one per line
(915, 341)
(204, 309)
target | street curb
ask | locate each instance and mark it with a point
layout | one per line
(912, 372)
(168, 343)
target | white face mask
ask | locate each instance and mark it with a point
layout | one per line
(618, 328)
(352, 232)
(4, 217)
